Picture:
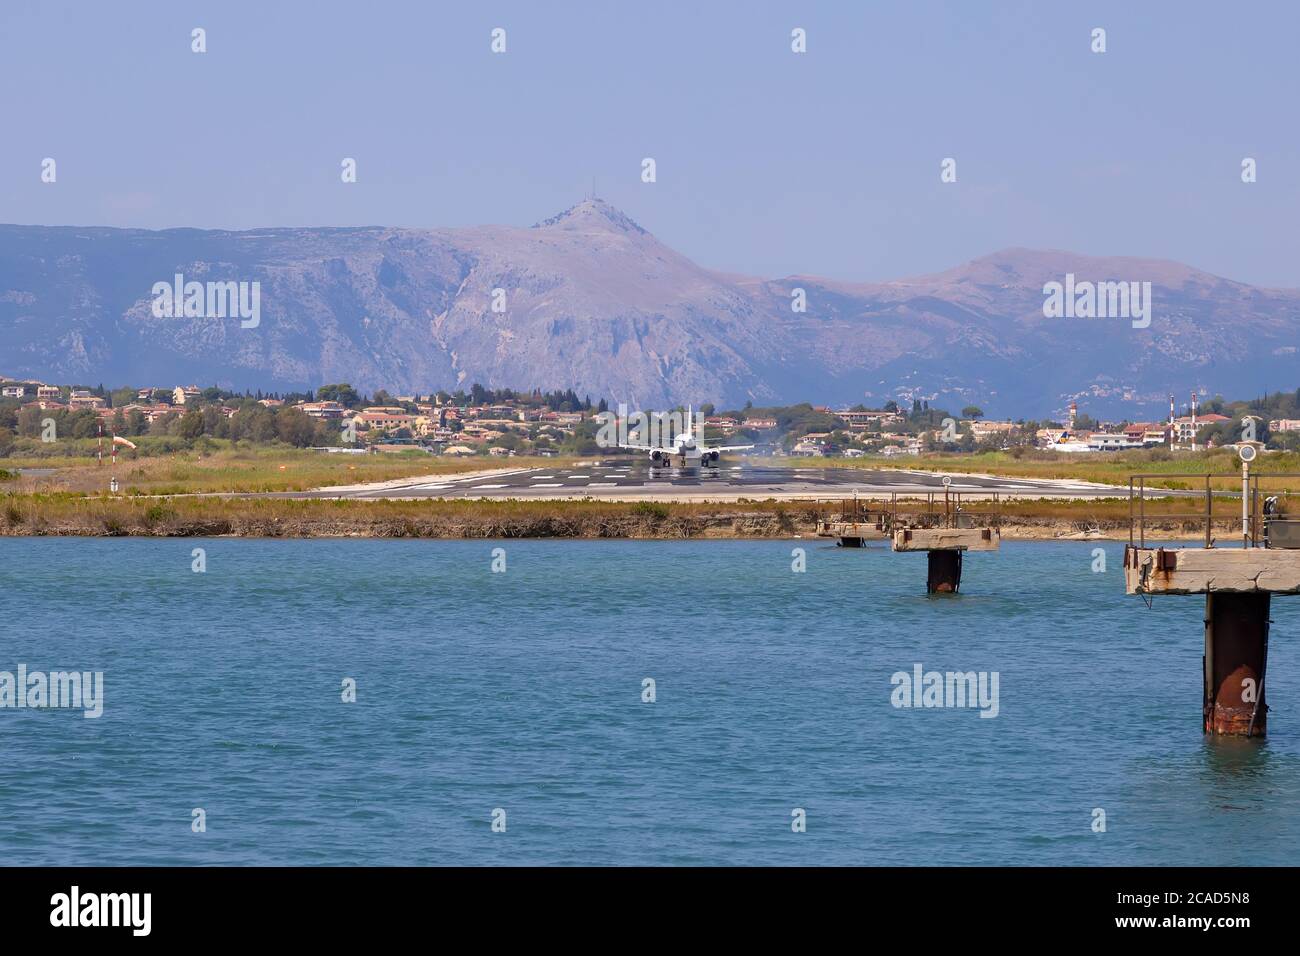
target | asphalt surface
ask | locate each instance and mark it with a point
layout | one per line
(624, 479)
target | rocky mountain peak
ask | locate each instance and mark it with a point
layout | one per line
(597, 304)
(592, 215)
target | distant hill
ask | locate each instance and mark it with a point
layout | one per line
(597, 304)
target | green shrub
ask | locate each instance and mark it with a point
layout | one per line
(157, 513)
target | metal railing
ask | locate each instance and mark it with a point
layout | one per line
(1137, 516)
(1266, 511)
(852, 511)
(1274, 512)
(946, 509)
(952, 509)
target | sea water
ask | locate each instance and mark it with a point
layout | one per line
(620, 702)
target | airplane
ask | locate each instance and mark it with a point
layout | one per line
(686, 450)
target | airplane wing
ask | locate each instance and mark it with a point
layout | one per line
(728, 447)
(639, 447)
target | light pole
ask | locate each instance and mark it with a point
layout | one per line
(1247, 454)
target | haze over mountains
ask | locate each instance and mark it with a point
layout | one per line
(595, 303)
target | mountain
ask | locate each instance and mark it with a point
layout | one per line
(595, 303)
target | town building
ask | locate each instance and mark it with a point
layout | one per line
(328, 411)
(863, 419)
(82, 398)
(1185, 428)
(384, 420)
(1104, 441)
(892, 451)
(981, 429)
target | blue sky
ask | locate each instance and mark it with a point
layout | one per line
(769, 163)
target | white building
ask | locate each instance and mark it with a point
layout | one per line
(1102, 441)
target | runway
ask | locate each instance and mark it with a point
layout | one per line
(621, 479)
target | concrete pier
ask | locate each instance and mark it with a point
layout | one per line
(945, 547)
(1238, 584)
(947, 539)
(855, 524)
(943, 572)
(1236, 654)
(1206, 570)
(852, 534)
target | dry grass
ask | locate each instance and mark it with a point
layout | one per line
(259, 469)
(68, 514)
(244, 470)
(71, 514)
(1112, 468)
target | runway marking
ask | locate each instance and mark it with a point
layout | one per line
(666, 482)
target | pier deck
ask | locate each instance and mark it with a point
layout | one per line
(1238, 584)
(1211, 570)
(946, 539)
(853, 533)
